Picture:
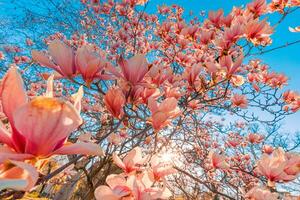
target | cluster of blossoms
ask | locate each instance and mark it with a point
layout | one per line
(137, 180)
(150, 82)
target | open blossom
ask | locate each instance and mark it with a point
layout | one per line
(49, 122)
(163, 113)
(114, 101)
(217, 161)
(90, 65)
(17, 175)
(260, 193)
(279, 166)
(131, 162)
(231, 66)
(239, 101)
(131, 188)
(59, 57)
(159, 169)
(133, 70)
(257, 7)
(258, 32)
(255, 138)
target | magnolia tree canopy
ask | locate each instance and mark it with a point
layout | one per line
(108, 100)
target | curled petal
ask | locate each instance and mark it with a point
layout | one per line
(12, 92)
(49, 91)
(21, 176)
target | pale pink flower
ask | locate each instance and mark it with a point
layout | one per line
(159, 169)
(278, 166)
(163, 113)
(90, 65)
(255, 138)
(49, 122)
(133, 70)
(259, 193)
(59, 57)
(131, 162)
(217, 161)
(239, 101)
(114, 101)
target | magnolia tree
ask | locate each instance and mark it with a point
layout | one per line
(110, 101)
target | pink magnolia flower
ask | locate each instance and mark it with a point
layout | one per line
(162, 114)
(217, 161)
(255, 138)
(268, 149)
(216, 17)
(259, 193)
(49, 122)
(133, 70)
(17, 175)
(131, 162)
(257, 7)
(59, 57)
(114, 101)
(279, 166)
(258, 32)
(231, 66)
(239, 101)
(117, 189)
(89, 64)
(131, 188)
(159, 169)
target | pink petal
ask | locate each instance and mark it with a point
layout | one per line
(118, 161)
(49, 91)
(105, 193)
(48, 122)
(12, 92)
(8, 154)
(21, 177)
(115, 180)
(43, 59)
(77, 99)
(63, 56)
(85, 148)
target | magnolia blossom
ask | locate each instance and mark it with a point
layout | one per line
(159, 169)
(59, 57)
(114, 101)
(161, 114)
(89, 64)
(239, 101)
(255, 138)
(133, 70)
(131, 188)
(259, 193)
(279, 166)
(131, 162)
(217, 161)
(49, 122)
